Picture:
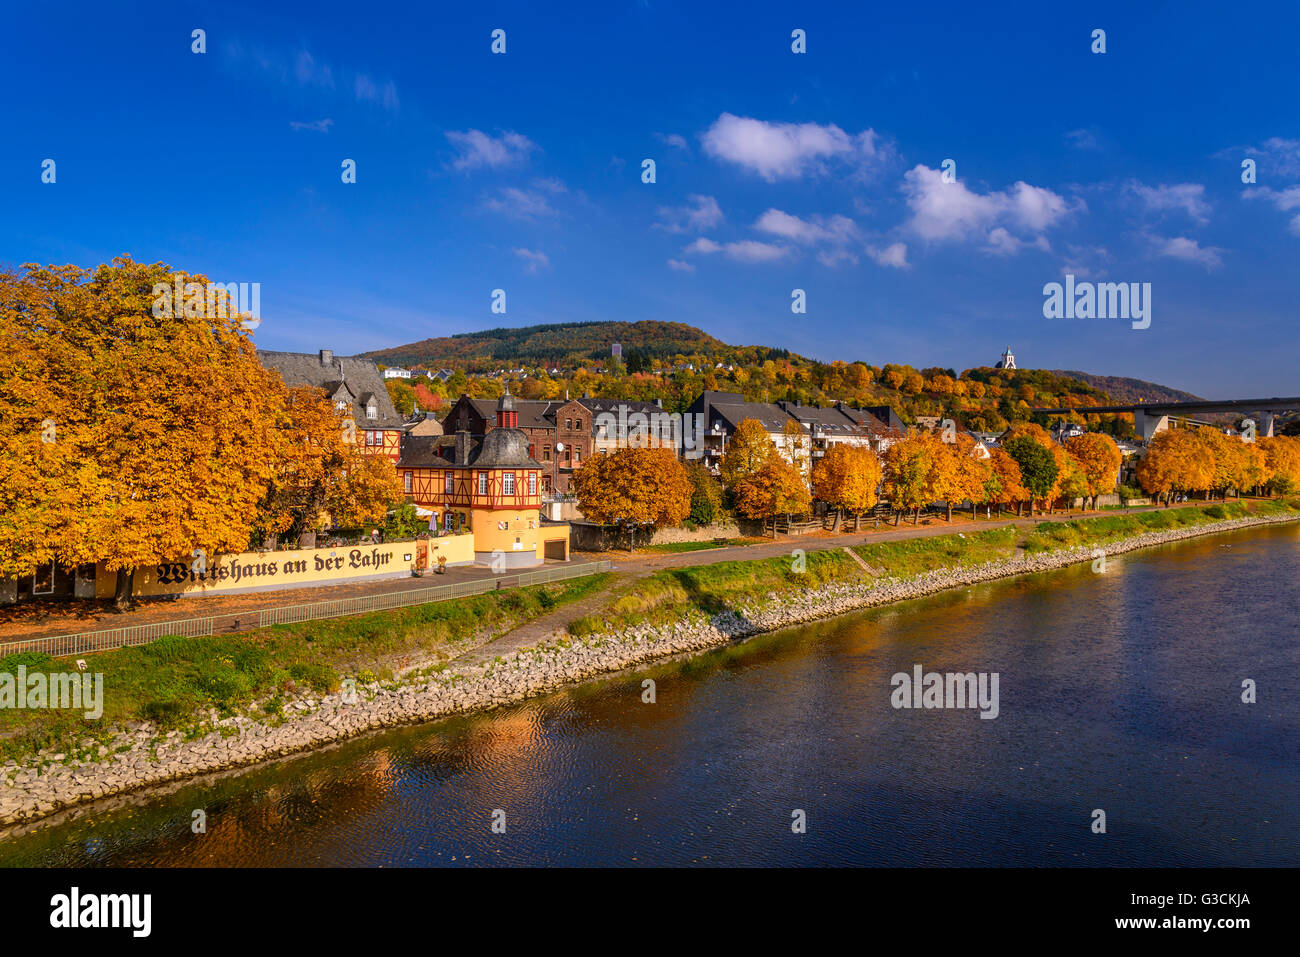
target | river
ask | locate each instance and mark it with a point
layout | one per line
(1119, 691)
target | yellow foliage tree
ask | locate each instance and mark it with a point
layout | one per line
(749, 450)
(912, 473)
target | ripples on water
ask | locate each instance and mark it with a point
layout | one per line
(1119, 691)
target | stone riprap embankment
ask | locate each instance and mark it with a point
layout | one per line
(51, 780)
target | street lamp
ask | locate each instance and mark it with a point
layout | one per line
(555, 485)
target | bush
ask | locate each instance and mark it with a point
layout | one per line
(163, 713)
(322, 678)
(33, 660)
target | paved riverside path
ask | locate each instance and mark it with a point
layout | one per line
(43, 619)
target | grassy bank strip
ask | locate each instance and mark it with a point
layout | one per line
(672, 548)
(669, 594)
(178, 682)
(1054, 536)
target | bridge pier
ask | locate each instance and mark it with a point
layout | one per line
(1148, 425)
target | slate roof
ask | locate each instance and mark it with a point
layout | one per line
(500, 448)
(360, 380)
(772, 417)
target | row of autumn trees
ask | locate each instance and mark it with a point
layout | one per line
(1206, 461)
(650, 487)
(640, 487)
(132, 439)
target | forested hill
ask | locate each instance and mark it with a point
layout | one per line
(565, 345)
(1123, 390)
(673, 362)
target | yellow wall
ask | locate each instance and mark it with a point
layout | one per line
(301, 568)
(488, 537)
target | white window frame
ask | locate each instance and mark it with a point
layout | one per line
(508, 483)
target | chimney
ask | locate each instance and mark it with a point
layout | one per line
(462, 447)
(326, 356)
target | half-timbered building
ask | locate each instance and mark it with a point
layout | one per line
(490, 484)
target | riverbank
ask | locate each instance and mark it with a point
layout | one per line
(142, 757)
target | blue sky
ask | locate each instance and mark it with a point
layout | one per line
(775, 171)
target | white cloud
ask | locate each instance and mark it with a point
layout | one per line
(752, 251)
(1277, 157)
(834, 233)
(1284, 200)
(1084, 261)
(1187, 198)
(703, 245)
(1188, 250)
(368, 90)
(534, 259)
(893, 255)
(477, 149)
(675, 140)
(680, 266)
(531, 203)
(308, 73)
(788, 150)
(702, 213)
(745, 251)
(315, 126)
(950, 211)
(835, 229)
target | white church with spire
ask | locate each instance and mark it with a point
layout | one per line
(1008, 361)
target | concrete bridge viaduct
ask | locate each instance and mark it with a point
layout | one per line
(1152, 417)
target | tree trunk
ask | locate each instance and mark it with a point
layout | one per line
(125, 586)
(949, 504)
(835, 522)
(857, 522)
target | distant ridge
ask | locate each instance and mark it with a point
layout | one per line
(564, 344)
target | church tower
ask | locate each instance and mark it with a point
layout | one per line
(1008, 360)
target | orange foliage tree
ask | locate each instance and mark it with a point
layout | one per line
(1099, 457)
(166, 448)
(1175, 463)
(846, 479)
(777, 488)
(321, 474)
(634, 487)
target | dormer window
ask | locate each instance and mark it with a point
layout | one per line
(340, 405)
(372, 411)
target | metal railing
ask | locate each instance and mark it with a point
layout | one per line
(111, 638)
